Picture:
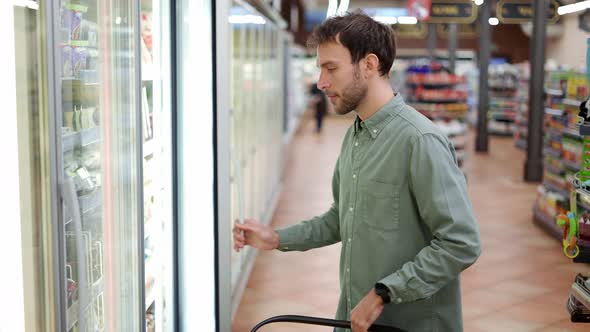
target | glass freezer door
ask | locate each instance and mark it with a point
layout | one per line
(156, 113)
(97, 61)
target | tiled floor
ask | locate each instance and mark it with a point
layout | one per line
(520, 283)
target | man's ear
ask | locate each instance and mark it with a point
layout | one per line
(371, 64)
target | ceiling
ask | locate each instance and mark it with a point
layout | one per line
(323, 4)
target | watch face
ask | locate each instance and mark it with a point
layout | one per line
(584, 21)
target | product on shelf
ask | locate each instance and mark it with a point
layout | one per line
(434, 79)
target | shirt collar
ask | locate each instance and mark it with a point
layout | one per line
(381, 118)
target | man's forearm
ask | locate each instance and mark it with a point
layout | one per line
(317, 232)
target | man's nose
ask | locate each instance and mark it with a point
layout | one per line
(323, 83)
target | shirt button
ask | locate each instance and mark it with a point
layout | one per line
(347, 270)
(349, 240)
(354, 176)
(398, 300)
(356, 143)
(374, 130)
(351, 209)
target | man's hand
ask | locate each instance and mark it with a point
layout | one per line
(366, 312)
(256, 235)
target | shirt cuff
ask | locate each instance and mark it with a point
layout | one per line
(401, 290)
(392, 295)
(286, 240)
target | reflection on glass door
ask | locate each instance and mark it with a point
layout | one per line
(255, 125)
(157, 163)
(97, 70)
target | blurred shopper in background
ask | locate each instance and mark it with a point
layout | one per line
(318, 100)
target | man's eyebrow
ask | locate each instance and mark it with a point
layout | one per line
(328, 63)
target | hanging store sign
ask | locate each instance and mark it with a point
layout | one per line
(521, 11)
(410, 30)
(466, 31)
(453, 11)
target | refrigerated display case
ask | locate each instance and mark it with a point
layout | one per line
(95, 138)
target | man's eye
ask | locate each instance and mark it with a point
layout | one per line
(331, 69)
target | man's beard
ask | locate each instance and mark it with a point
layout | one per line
(352, 95)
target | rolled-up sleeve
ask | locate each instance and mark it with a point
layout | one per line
(317, 232)
(440, 191)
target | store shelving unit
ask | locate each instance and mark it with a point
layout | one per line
(562, 149)
(503, 108)
(433, 91)
(522, 115)
(563, 200)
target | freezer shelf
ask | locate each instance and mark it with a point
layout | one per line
(82, 139)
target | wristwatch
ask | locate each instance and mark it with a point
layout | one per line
(383, 292)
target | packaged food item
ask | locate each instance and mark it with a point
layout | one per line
(66, 61)
(79, 56)
(65, 24)
(75, 24)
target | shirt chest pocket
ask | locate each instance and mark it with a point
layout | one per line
(380, 205)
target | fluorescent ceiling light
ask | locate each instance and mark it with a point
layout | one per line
(26, 3)
(343, 7)
(332, 7)
(493, 21)
(386, 19)
(478, 2)
(246, 19)
(407, 20)
(574, 7)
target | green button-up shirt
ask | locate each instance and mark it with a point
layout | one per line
(403, 215)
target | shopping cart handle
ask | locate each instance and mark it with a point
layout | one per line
(321, 321)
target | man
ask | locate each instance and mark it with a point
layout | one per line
(400, 207)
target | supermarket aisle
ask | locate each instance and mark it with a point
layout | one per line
(519, 284)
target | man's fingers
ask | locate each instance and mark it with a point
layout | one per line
(245, 227)
(239, 237)
(250, 222)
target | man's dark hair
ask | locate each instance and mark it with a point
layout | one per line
(361, 35)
